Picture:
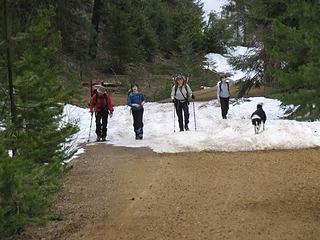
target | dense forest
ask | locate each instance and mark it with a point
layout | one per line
(49, 48)
(285, 36)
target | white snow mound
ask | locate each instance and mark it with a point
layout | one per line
(213, 133)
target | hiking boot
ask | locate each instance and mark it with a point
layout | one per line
(181, 130)
(98, 139)
(104, 139)
(140, 136)
(187, 128)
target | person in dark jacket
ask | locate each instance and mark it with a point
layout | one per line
(102, 107)
(258, 117)
(180, 95)
(136, 102)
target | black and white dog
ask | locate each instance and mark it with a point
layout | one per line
(258, 117)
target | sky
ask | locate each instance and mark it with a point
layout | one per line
(213, 5)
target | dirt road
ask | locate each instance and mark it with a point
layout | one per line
(121, 193)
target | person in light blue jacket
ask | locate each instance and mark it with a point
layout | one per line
(223, 94)
(136, 102)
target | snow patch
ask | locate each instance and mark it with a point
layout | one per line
(213, 133)
(220, 63)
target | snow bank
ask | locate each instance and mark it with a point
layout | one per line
(213, 134)
(220, 63)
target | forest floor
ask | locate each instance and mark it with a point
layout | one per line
(132, 193)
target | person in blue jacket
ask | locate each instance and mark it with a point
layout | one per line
(136, 102)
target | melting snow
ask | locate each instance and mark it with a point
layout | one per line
(213, 133)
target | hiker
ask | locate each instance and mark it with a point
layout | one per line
(223, 95)
(102, 107)
(136, 102)
(180, 94)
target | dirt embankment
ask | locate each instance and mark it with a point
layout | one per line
(121, 193)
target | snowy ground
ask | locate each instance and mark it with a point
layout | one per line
(213, 133)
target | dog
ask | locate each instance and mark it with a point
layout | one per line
(258, 117)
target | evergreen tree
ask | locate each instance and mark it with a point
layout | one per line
(216, 35)
(253, 24)
(296, 47)
(30, 177)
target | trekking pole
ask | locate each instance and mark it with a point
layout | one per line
(194, 117)
(174, 117)
(90, 127)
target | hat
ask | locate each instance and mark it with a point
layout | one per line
(101, 89)
(179, 77)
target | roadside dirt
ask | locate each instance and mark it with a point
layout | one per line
(123, 193)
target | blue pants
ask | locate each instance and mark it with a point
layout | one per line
(138, 121)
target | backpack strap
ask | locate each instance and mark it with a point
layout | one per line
(175, 92)
(227, 85)
(187, 91)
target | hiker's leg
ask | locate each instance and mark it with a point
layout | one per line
(223, 104)
(104, 116)
(179, 113)
(135, 114)
(227, 106)
(140, 123)
(186, 115)
(141, 120)
(98, 124)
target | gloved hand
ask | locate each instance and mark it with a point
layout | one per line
(193, 97)
(110, 115)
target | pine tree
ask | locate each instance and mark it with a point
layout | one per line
(296, 46)
(216, 35)
(252, 23)
(30, 177)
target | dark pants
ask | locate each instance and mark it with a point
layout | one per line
(138, 121)
(179, 107)
(224, 102)
(101, 124)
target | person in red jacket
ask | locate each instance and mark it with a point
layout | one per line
(102, 107)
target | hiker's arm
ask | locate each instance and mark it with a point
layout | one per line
(142, 100)
(129, 100)
(231, 82)
(218, 91)
(172, 92)
(109, 104)
(189, 90)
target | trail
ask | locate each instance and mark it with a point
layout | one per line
(133, 193)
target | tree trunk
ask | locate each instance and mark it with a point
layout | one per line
(9, 65)
(95, 20)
